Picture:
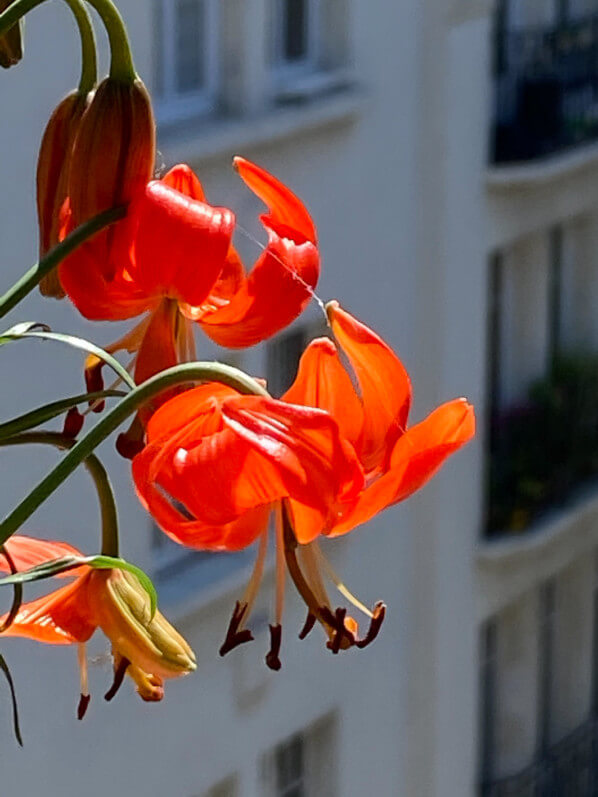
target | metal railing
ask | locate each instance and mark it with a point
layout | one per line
(568, 769)
(546, 89)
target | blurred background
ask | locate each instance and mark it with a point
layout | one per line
(448, 152)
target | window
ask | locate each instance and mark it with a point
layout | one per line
(487, 700)
(186, 44)
(545, 648)
(290, 768)
(305, 764)
(308, 42)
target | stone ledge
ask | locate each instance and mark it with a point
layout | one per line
(511, 565)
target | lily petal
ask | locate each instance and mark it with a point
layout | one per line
(383, 382)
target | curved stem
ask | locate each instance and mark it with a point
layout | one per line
(180, 374)
(31, 278)
(89, 62)
(15, 11)
(97, 472)
(121, 61)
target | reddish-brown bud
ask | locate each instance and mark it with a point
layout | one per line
(52, 178)
(11, 43)
(114, 151)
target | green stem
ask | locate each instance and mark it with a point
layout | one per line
(30, 279)
(89, 62)
(15, 11)
(97, 472)
(180, 374)
(121, 60)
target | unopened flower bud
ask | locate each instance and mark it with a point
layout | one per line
(11, 42)
(52, 178)
(114, 151)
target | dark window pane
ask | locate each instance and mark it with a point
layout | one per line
(190, 44)
(289, 769)
(295, 29)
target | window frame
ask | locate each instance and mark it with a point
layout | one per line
(173, 105)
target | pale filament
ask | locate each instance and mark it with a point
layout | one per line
(280, 566)
(256, 578)
(337, 582)
(82, 659)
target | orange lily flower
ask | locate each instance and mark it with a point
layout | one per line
(371, 406)
(215, 463)
(173, 256)
(146, 648)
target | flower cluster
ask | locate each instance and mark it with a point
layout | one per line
(217, 461)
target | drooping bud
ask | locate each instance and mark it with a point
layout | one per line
(114, 151)
(52, 178)
(11, 42)
(154, 649)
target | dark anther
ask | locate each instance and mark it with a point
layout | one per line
(310, 621)
(126, 447)
(73, 423)
(375, 624)
(234, 636)
(119, 677)
(272, 657)
(84, 701)
(342, 636)
(94, 382)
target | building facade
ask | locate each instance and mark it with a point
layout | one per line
(447, 151)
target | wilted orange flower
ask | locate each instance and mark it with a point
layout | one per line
(216, 463)
(146, 648)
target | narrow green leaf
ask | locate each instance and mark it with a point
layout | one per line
(49, 411)
(110, 563)
(45, 570)
(66, 563)
(25, 331)
(13, 696)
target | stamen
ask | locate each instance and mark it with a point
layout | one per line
(338, 583)
(84, 702)
(377, 620)
(280, 567)
(256, 577)
(119, 677)
(310, 621)
(272, 657)
(85, 698)
(342, 637)
(73, 423)
(236, 636)
(98, 404)
(312, 571)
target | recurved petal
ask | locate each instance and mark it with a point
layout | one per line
(323, 382)
(184, 409)
(277, 290)
(284, 206)
(383, 382)
(60, 618)
(179, 244)
(415, 459)
(175, 517)
(318, 467)
(421, 452)
(183, 179)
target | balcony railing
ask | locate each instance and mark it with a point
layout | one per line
(568, 769)
(546, 89)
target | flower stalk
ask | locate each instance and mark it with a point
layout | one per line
(109, 518)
